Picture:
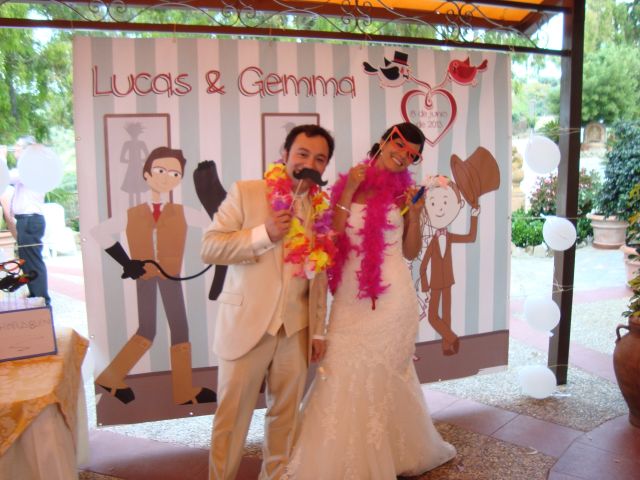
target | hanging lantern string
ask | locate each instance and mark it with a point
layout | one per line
(559, 365)
(556, 287)
(548, 366)
(30, 245)
(560, 131)
(27, 245)
(544, 217)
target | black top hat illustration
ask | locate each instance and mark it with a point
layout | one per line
(400, 57)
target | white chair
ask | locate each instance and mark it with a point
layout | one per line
(58, 238)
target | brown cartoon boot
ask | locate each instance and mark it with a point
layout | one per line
(450, 341)
(184, 392)
(112, 378)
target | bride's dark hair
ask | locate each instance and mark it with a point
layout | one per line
(409, 131)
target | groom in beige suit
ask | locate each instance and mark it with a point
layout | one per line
(270, 323)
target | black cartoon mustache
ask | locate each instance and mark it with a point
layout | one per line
(311, 174)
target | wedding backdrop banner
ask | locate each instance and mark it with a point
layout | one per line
(232, 102)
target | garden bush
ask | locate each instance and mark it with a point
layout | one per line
(622, 172)
(525, 231)
(542, 200)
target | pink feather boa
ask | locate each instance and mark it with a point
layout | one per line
(387, 189)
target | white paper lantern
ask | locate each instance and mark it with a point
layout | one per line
(537, 381)
(541, 313)
(40, 168)
(4, 177)
(559, 233)
(541, 154)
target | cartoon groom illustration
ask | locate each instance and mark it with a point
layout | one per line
(443, 202)
(477, 175)
(155, 231)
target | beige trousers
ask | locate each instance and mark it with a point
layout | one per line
(282, 362)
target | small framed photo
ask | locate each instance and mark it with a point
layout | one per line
(128, 140)
(276, 127)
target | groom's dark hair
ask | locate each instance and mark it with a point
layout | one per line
(310, 131)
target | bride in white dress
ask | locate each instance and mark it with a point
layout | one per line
(365, 417)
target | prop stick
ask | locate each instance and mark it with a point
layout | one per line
(415, 198)
(294, 194)
(312, 175)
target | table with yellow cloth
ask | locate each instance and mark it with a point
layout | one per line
(41, 399)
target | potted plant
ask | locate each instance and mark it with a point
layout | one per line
(622, 172)
(631, 248)
(626, 355)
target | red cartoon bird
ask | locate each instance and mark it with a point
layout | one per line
(463, 72)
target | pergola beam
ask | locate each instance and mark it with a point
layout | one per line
(451, 21)
(266, 32)
(568, 178)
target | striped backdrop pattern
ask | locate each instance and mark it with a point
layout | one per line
(227, 128)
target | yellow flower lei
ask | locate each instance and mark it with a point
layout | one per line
(313, 253)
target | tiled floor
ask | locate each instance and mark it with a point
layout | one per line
(609, 452)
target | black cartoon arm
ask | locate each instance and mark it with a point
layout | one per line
(131, 268)
(211, 193)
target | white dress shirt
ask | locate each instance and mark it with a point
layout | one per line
(24, 201)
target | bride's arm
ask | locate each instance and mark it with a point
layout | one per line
(412, 235)
(342, 209)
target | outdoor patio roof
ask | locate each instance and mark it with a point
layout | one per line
(506, 25)
(511, 25)
(518, 14)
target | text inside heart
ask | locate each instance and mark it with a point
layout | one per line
(433, 112)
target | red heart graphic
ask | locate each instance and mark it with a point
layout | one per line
(433, 129)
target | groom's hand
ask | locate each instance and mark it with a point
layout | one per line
(318, 349)
(278, 224)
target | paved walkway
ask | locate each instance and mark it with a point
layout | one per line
(609, 452)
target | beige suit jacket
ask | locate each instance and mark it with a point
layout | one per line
(253, 283)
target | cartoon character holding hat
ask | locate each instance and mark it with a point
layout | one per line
(444, 199)
(443, 203)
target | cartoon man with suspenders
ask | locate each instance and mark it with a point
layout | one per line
(155, 231)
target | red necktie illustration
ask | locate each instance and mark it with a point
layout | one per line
(156, 211)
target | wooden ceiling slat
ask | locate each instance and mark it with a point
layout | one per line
(266, 32)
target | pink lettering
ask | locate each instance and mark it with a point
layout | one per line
(141, 84)
(252, 81)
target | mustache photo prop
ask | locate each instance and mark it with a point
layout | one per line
(311, 174)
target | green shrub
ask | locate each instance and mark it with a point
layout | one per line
(622, 170)
(74, 224)
(633, 230)
(525, 230)
(542, 200)
(551, 129)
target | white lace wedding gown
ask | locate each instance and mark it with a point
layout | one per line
(365, 417)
